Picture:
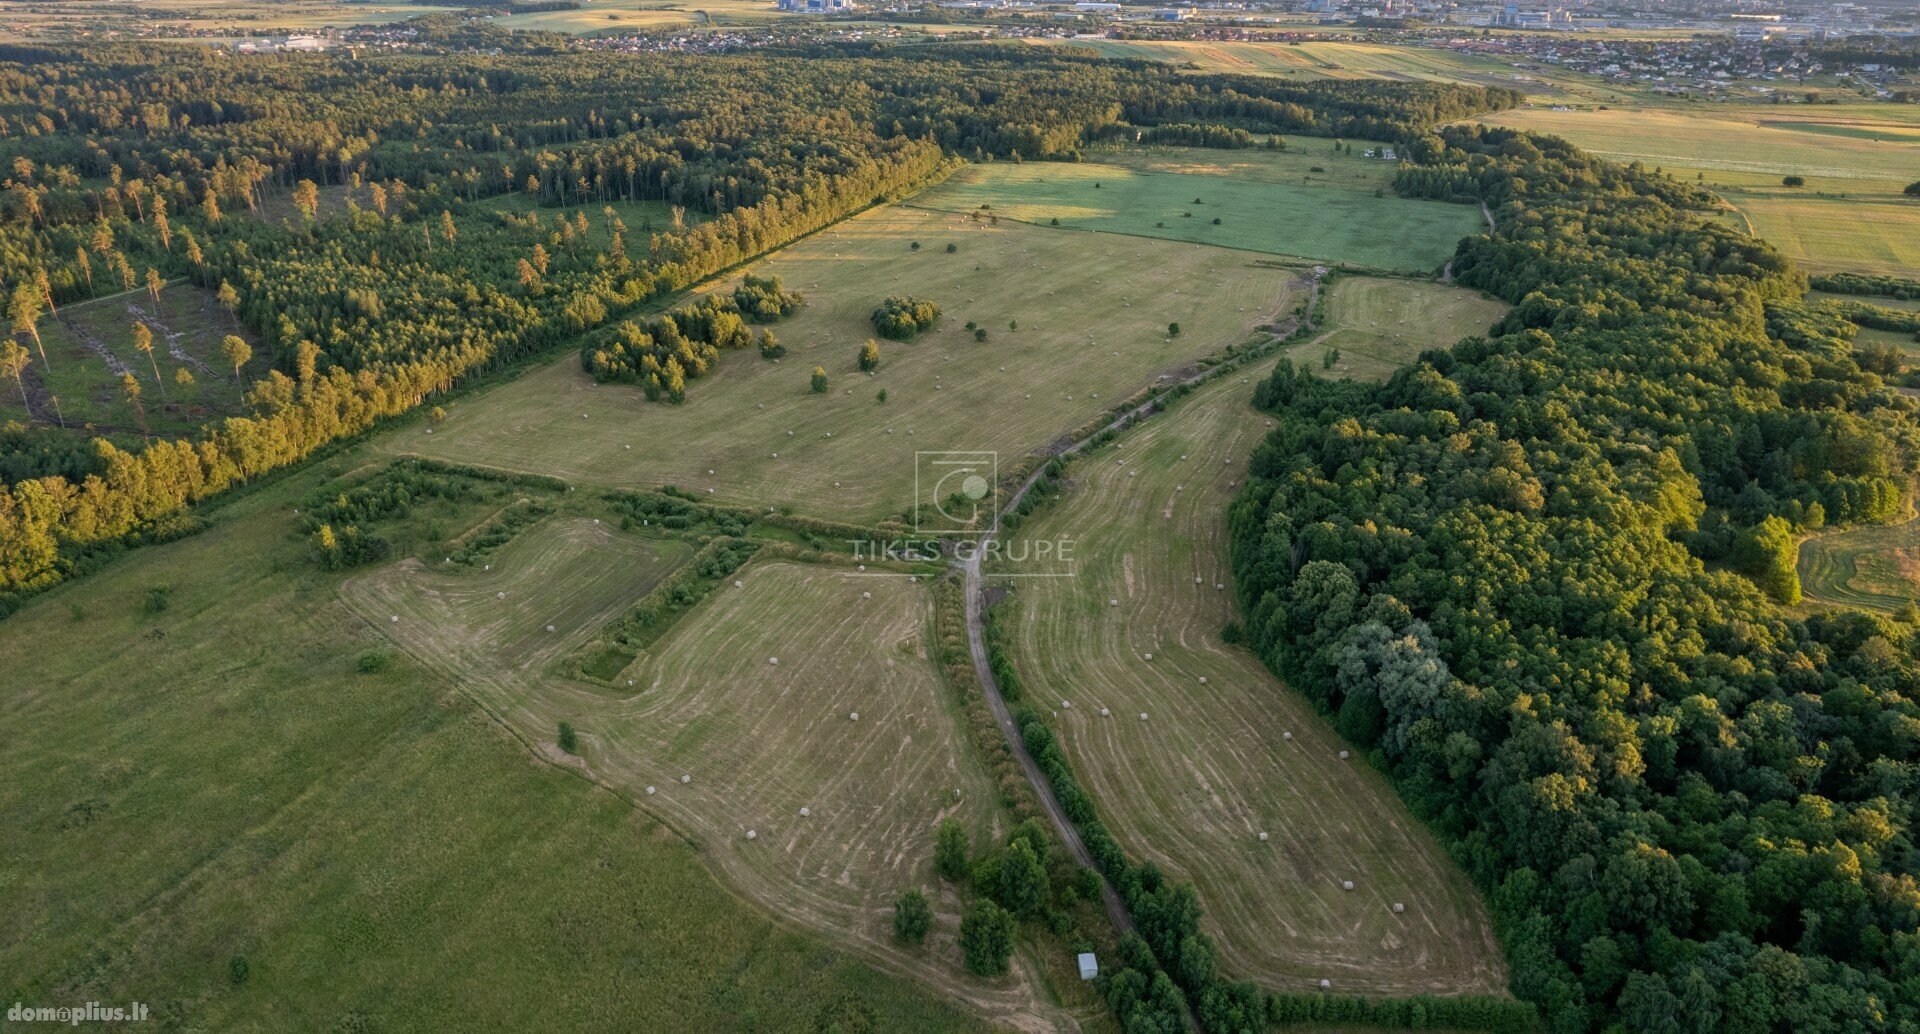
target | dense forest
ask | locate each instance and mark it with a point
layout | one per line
(340, 207)
(1510, 571)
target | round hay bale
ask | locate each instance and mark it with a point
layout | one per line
(1343, 755)
(862, 567)
(1104, 712)
(1113, 603)
(773, 660)
(866, 595)
(804, 812)
(1399, 907)
(1066, 703)
(1203, 680)
(737, 583)
(1149, 657)
(752, 835)
(651, 791)
(1286, 735)
(1346, 884)
(686, 779)
(1263, 838)
(853, 716)
(1143, 716)
(549, 628)
(396, 619)
(1325, 983)
(776, 455)
(709, 470)
(499, 595)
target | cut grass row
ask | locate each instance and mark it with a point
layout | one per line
(219, 779)
(750, 698)
(1193, 785)
(1874, 568)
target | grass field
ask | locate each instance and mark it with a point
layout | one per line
(1379, 325)
(1268, 201)
(1194, 785)
(1856, 160)
(90, 344)
(218, 780)
(759, 740)
(1329, 59)
(1874, 567)
(1092, 313)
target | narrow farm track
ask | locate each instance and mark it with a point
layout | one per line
(751, 697)
(1216, 764)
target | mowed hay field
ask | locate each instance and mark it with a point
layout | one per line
(1092, 314)
(1875, 567)
(1194, 785)
(220, 780)
(90, 344)
(1856, 160)
(1306, 202)
(758, 740)
(1379, 325)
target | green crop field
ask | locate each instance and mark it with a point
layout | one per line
(1305, 202)
(1225, 752)
(90, 344)
(218, 780)
(1875, 567)
(749, 697)
(1856, 160)
(1380, 325)
(1092, 315)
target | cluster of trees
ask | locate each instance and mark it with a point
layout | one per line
(1500, 573)
(1025, 878)
(339, 523)
(662, 352)
(903, 317)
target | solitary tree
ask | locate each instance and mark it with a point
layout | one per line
(986, 938)
(1173, 330)
(143, 342)
(568, 740)
(13, 363)
(1913, 189)
(912, 916)
(820, 379)
(870, 356)
(132, 388)
(236, 351)
(1793, 181)
(26, 316)
(950, 850)
(306, 198)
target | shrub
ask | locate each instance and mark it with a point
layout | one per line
(568, 740)
(912, 917)
(820, 380)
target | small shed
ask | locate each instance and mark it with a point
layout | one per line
(1089, 966)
